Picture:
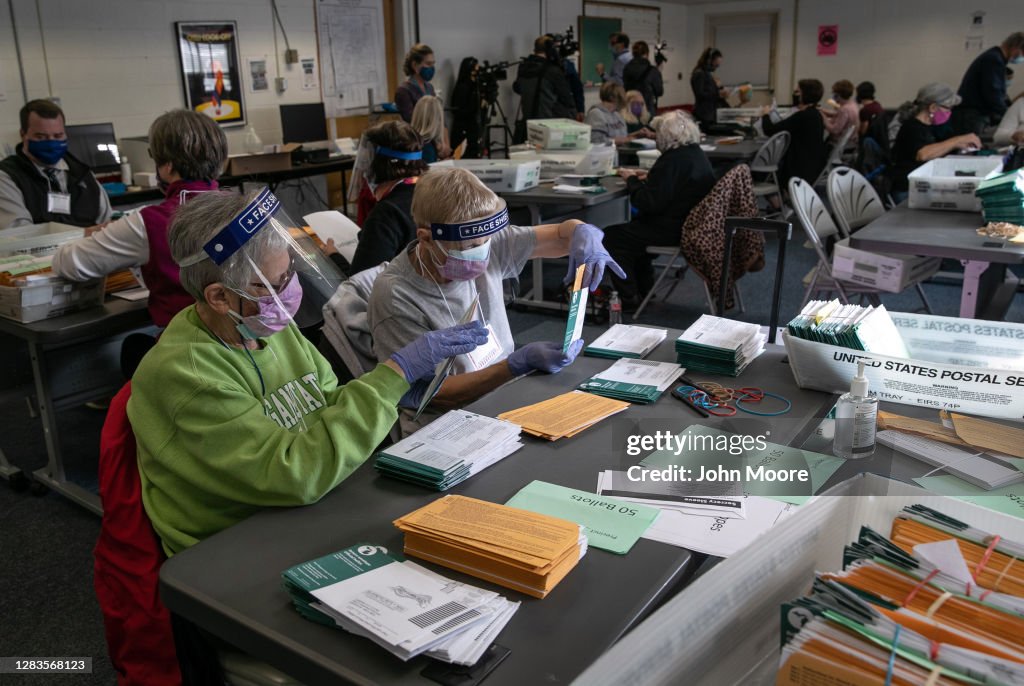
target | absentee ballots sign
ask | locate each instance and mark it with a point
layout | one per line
(964, 365)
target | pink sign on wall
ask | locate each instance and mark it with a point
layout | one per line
(828, 39)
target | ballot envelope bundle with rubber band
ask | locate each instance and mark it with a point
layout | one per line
(525, 551)
(938, 601)
(406, 609)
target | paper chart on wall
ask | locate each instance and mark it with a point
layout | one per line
(352, 53)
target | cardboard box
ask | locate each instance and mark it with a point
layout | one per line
(501, 176)
(243, 165)
(963, 365)
(948, 183)
(892, 273)
(724, 628)
(38, 239)
(48, 296)
(558, 134)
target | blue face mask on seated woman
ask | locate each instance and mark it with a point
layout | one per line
(48, 151)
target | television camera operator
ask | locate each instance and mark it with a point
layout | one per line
(543, 85)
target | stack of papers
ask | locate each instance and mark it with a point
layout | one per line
(715, 345)
(1002, 197)
(938, 602)
(870, 329)
(610, 524)
(401, 606)
(564, 415)
(973, 466)
(521, 550)
(704, 498)
(623, 340)
(449, 450)
(634, 381)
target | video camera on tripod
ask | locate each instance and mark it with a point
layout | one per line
(488, 77)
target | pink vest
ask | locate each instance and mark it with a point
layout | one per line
(166, 296)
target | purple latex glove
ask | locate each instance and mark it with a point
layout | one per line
(545, 356)
(586, 247)
(419, 358)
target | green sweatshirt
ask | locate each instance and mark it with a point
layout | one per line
(213, 449)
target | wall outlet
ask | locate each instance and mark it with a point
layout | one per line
(291, 56)
(281, 84)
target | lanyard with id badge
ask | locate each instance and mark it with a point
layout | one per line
(57, 202)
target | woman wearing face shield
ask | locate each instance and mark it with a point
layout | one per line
(234, 410)
(464, 248)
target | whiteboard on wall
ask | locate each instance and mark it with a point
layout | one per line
(352, 53)
(638, 22)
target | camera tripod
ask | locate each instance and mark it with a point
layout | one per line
(494, 109)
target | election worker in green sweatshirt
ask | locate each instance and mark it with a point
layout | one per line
(234, 410)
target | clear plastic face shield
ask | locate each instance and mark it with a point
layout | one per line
(275, 268)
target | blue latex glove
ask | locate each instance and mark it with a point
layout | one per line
(419, 358)
(545, 356)
(414, 395)
(586, 247)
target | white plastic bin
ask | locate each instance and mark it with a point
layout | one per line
(948, 183)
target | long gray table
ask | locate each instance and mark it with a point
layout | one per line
(744, 151)
(548, 207)
(75, 359)
(230, 583)
(987, 290)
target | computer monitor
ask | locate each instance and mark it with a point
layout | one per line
(304, 123)
(95, 145)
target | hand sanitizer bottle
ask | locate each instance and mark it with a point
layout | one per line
(856, 414)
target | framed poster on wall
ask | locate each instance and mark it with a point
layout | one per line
(210, 70)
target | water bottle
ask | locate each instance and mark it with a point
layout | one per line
(126, 171)
(614, 309)
(253, 143)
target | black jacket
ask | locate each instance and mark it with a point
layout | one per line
(387, 230)
(807, 149)
(83, 187)
(679, 179)
(641, 75)
(544, 89)
(705, 96)
(983, 87)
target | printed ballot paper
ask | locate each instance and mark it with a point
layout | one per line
(719, 535)
(716, 345)
(611, 524)
(635, 381)
(401, 606)
(333, 225)
(706, 498)
(624, 340)
(449, 450)
(524, 551)
(577, 310)
(564, 415)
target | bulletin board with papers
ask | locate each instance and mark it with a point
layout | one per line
(352, 53)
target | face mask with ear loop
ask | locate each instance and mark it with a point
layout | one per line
(266, 258)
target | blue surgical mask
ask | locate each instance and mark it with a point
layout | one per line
(477, 253)
(48, 151)
(427, 73)
(1019, 59)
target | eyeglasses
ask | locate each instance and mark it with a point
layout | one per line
(262, 287)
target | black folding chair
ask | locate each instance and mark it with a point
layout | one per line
(782, 231)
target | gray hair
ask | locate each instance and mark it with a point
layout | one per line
(675, 129)
(193, 143)
(199, 220)
(447, 195)
(428, 118)
(937, 94)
